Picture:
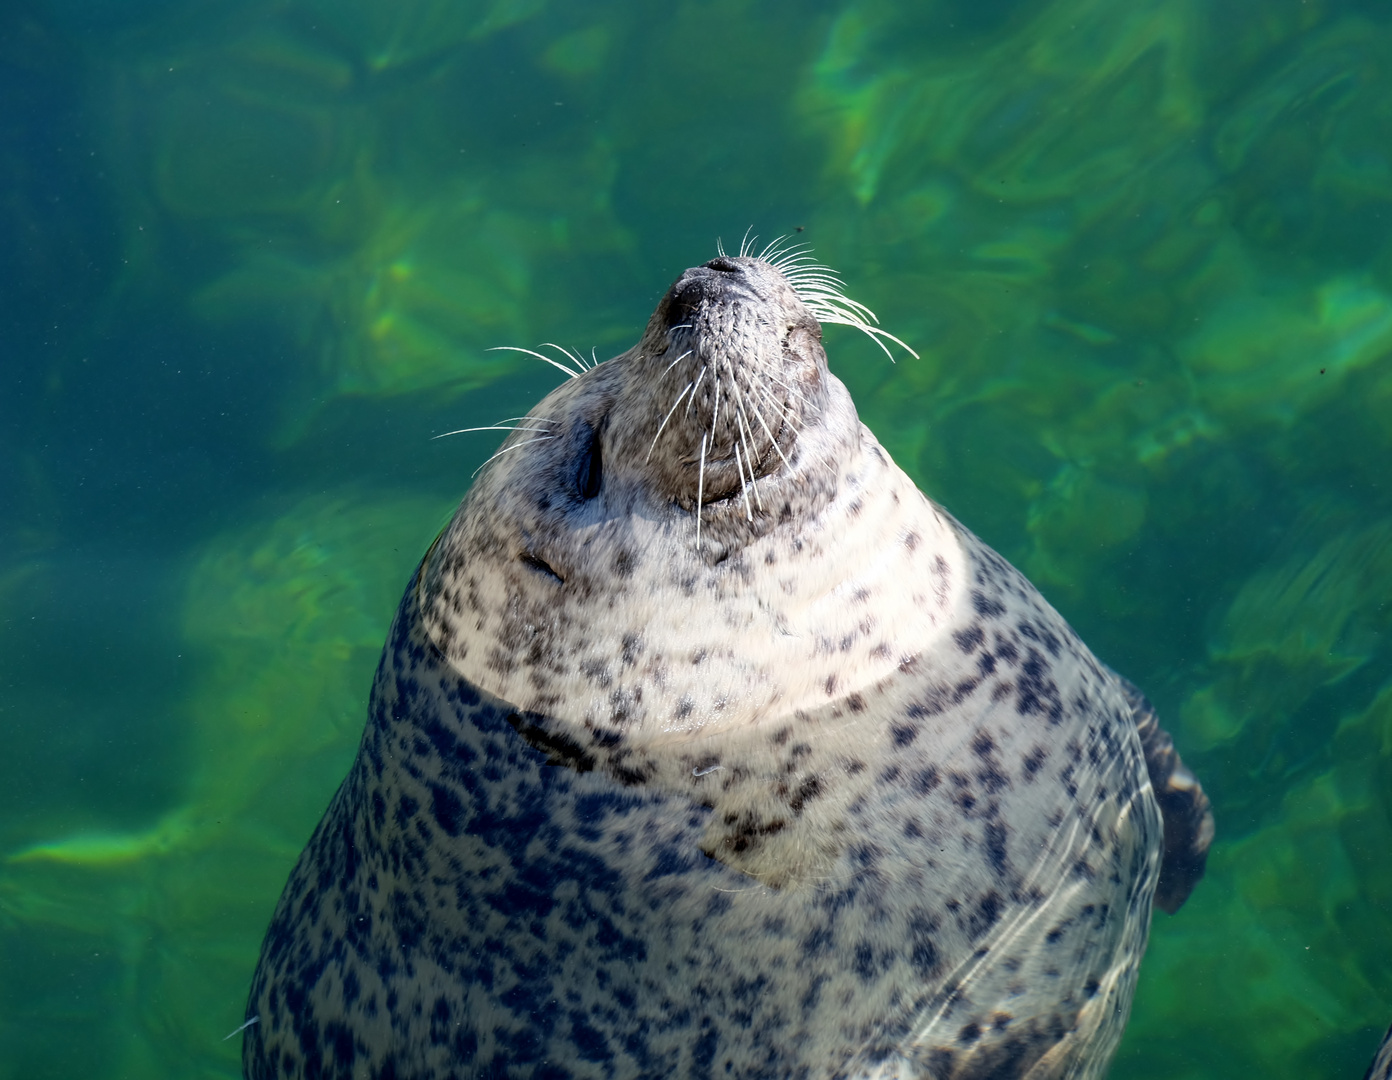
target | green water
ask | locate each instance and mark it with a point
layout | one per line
(253, 255)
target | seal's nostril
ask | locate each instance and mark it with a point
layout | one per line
(724, 265)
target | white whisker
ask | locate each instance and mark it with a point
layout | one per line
(677, 361)
(540, 356)
(495, 427)
(664, 421)
(874, 333)
(570, 354)
(824, 293)
(743, 424)
(507, 449)
(764, 424)
(695, 387)
(700, 489)
(744, 487)
(748, 457)
(253, 1020)
(715, 409)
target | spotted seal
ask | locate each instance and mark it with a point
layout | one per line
(703, 744)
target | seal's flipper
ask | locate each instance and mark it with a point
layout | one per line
(1183, 804)
(1381, 1068)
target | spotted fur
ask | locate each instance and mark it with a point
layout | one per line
(757, 765)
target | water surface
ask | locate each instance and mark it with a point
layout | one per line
(253, 256)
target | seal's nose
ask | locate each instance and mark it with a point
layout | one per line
(719, 279)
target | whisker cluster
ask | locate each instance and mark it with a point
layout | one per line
(509, 449)
(824, 293)
(818, 287)
(512, 423)
(574, 364)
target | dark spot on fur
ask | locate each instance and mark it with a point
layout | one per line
(1038, 694)
(986, 606)
(970, 639)
(903, 734)
(996, 834)
(987, 914)
(808, 790)
(559, 749)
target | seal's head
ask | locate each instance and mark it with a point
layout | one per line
(675, 536)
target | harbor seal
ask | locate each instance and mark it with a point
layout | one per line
(704, 744)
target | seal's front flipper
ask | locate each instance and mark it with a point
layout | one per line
(1381, 1068)
(1183, 804)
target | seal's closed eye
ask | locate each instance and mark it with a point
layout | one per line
(541, 566)
(590, 469)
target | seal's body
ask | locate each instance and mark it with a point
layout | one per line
(704, 745)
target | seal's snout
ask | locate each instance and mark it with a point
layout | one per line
(736, 367)
(732, 399)
(720, 281)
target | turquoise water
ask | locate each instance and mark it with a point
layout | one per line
(253, 255)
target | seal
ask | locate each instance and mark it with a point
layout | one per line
(704, 744)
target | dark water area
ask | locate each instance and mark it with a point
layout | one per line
(254, 255)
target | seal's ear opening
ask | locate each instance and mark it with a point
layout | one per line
(589, 471)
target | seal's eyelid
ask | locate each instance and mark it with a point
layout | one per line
(541, 566)
(589, 473)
